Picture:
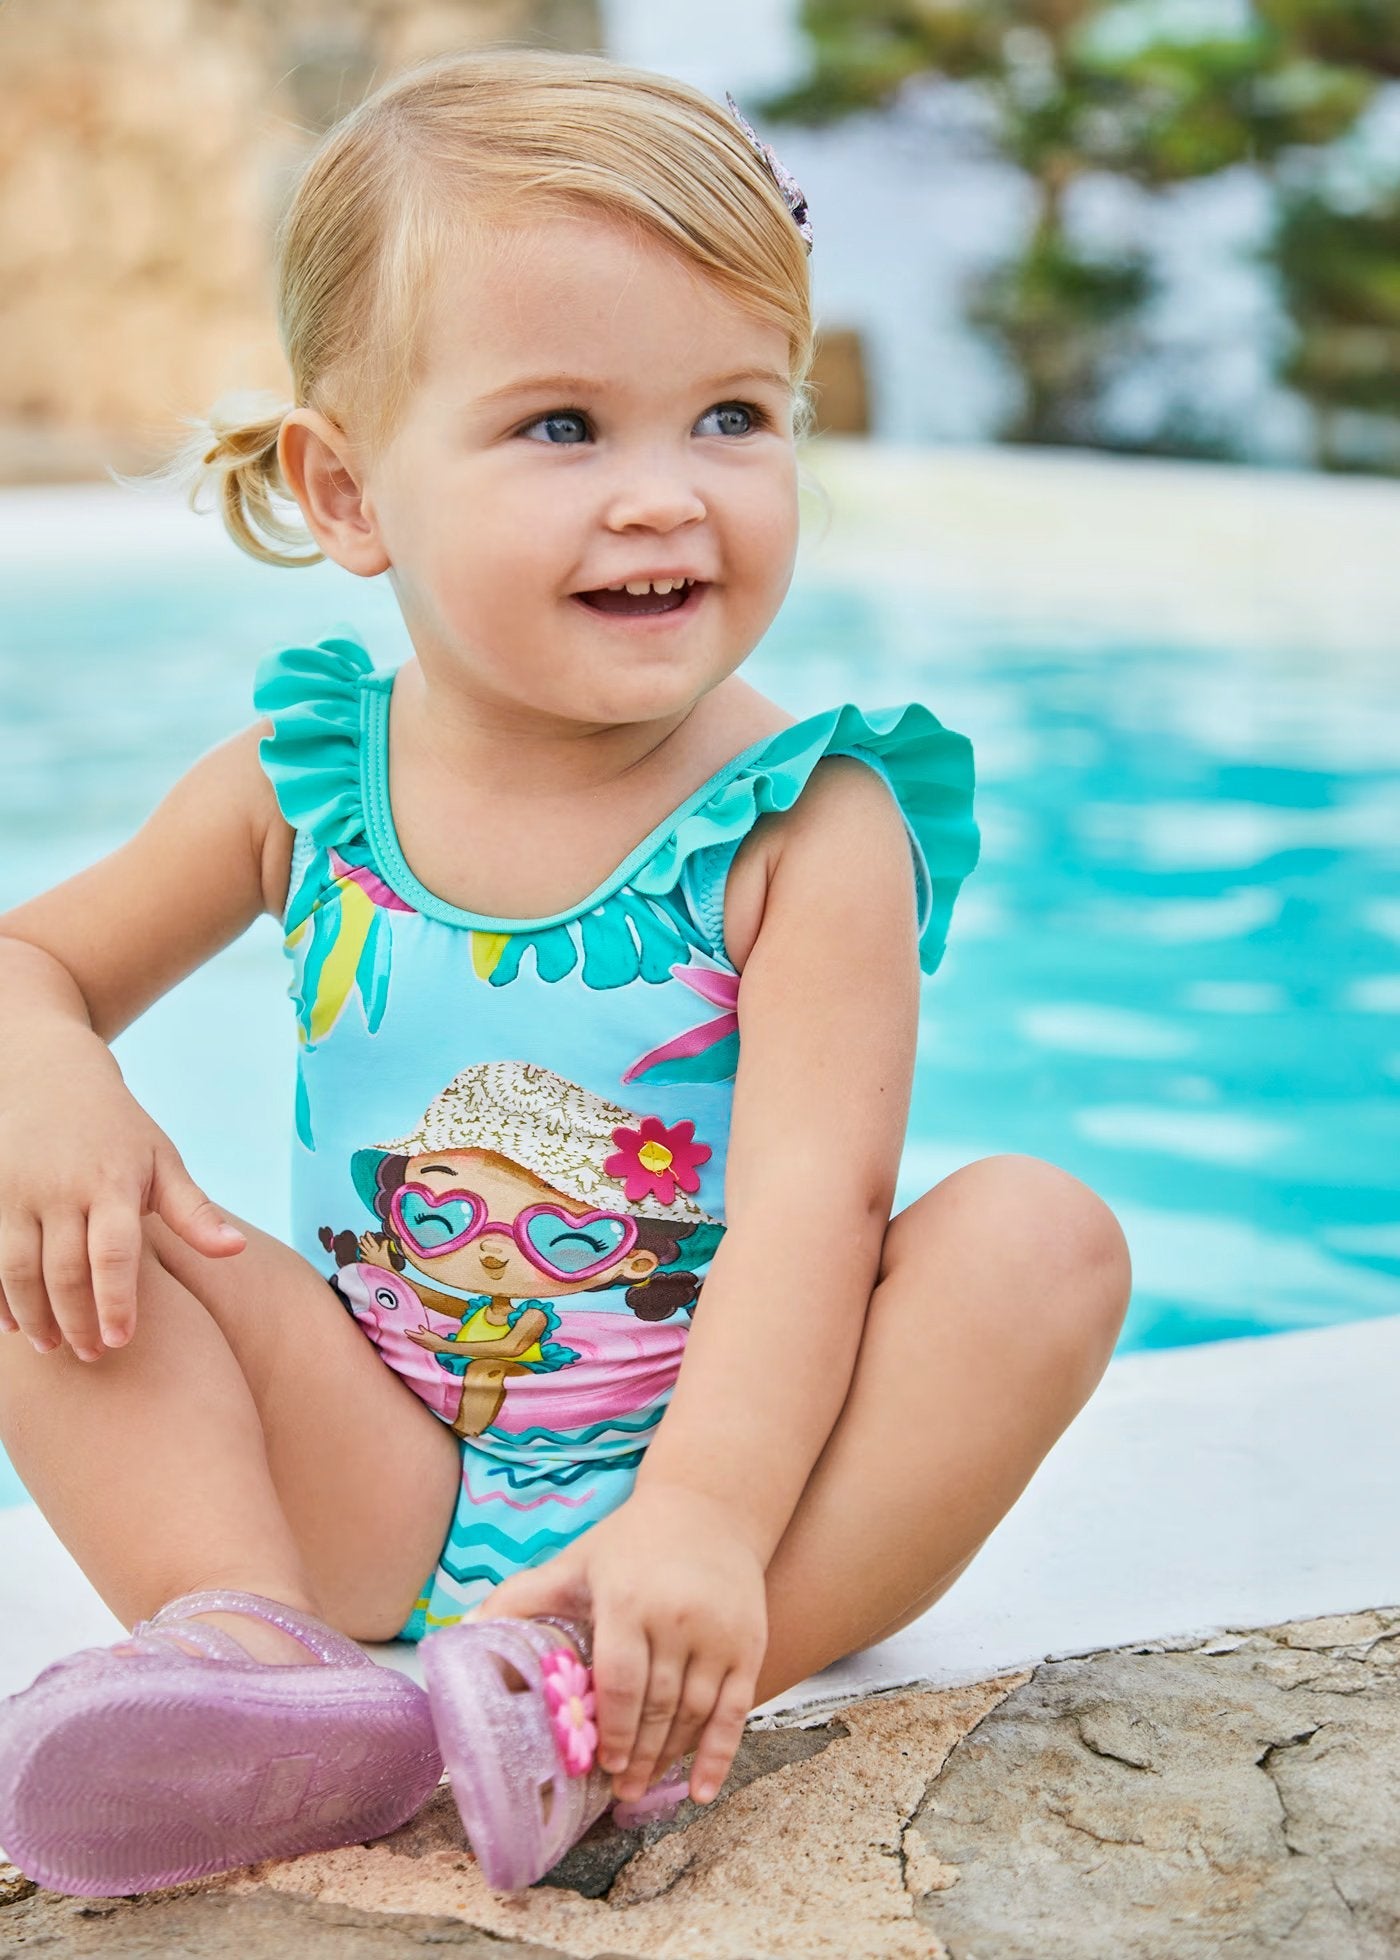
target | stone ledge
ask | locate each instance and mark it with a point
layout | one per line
(1168, 1798)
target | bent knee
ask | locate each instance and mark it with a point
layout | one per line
(232, 1290)
(1054, 1217)
(1071, 1248)
(1060, 1250)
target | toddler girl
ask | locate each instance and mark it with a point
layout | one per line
(606, 974)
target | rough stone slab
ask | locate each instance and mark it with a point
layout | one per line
(195, 1924)
(804, 1859)
(1136, 1804)
(1234, 1798)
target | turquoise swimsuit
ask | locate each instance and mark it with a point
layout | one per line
(511, 1134)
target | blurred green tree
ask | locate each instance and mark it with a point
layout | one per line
(1071, 87)
(1338, 259)
(1351, 33)
(1340, 275)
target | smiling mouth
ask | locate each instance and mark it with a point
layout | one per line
(618, 600)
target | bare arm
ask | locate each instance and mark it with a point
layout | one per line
(828, 1013)
(828, 1022)
(79, 1159)
(98, 949)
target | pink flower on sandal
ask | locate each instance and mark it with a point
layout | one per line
(568, 1692)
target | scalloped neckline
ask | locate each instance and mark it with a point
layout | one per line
(375, 689)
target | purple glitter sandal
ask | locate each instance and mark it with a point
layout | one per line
(127, 1768)
(520, 1760)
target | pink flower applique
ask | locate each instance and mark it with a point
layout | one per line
(656, 1159)
(568, 1692)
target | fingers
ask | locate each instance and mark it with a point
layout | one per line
(114, 1242)
(621, 1667)
(190, 1212)
(699, 1693)
(710, 1719)
(659, 1696)
(68, 1281)
(656, 1716)
(721, 1736)
(22, 1279)
(71, 1278)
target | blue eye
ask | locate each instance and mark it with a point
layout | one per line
(735, 419)
(573, 425)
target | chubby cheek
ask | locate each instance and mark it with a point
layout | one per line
(761, 547)
(491, 577)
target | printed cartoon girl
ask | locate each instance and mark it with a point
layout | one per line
(520, 1188)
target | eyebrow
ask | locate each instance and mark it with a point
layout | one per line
(574, 384)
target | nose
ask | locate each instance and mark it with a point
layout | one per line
(654, 491)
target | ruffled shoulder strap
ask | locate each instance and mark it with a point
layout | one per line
(929, 771)
(312, 756)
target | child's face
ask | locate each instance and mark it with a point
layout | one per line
(565, 438)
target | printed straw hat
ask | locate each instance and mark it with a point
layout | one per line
(564, 1134)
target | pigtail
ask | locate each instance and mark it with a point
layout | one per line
(232, 449)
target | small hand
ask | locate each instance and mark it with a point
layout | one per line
(81, 1164)
(676, 1599)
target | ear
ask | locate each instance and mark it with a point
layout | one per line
(316, 462)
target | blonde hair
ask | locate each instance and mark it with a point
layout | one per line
(397, 183)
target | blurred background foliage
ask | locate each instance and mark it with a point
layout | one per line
(1167, 227)
(1155, 96)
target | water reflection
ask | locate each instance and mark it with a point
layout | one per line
(1186, 854)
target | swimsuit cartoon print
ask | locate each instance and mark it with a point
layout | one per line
(518, 1192)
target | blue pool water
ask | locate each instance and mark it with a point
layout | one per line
(1175, 972)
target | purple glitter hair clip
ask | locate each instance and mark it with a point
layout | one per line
(781, 175)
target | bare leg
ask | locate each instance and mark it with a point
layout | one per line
(1000, 1296)
(247, 1436)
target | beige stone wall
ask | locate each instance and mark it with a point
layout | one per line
(146, 149)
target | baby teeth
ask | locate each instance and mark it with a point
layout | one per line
(659, 585)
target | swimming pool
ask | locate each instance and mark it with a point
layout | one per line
(1175, 972)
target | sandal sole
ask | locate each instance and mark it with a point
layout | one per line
(110, 1788)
